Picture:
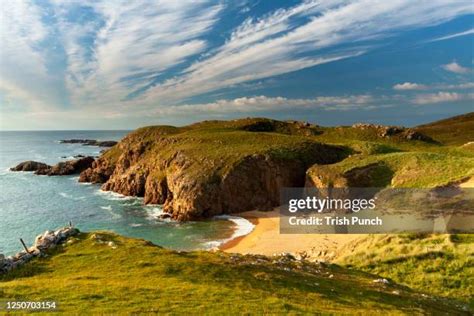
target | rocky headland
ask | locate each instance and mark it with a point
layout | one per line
(212, 167)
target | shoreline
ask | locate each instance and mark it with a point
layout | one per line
(265, 239)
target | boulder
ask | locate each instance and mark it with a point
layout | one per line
(165, 216)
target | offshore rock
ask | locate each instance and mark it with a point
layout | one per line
(30, 166)
(89, 142)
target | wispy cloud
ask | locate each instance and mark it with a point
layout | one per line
(24, 76)
(273, 45)
(131, 44)
(450, 36)
(456, 68)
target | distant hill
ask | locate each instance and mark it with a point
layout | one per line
(456, 130)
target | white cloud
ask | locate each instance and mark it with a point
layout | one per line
(443, 38)
(409, 86)
(274, 104)
(442, 97)
(456, 68)
(406, 86)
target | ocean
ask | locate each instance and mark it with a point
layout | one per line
(31, 204)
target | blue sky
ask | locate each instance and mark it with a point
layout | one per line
(124, 64)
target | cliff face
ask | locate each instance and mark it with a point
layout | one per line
(211, 168)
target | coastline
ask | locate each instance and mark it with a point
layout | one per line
(265, 239)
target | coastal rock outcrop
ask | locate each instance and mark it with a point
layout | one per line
(212, 167)
(30, 166)
(60, 169)
(67, 167)
(99, 171)
(89, 142)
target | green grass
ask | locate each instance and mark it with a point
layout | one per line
(439, 264)
(89, 276)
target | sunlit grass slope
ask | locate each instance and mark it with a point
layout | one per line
(439, 264)
(106, 273)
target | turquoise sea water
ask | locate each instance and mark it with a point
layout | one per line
(31, 204)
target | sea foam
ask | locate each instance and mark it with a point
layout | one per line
(243, 227)
(114, 196)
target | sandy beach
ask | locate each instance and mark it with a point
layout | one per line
(266, 239)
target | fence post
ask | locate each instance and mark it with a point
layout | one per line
(24, 246)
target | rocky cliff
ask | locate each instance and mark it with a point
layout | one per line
(212, 167)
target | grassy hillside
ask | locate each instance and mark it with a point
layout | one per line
(401, 162)
(440, 264)
(106, 273)
(401, 169)
(456, 130)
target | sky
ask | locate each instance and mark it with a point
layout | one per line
(125, 64)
